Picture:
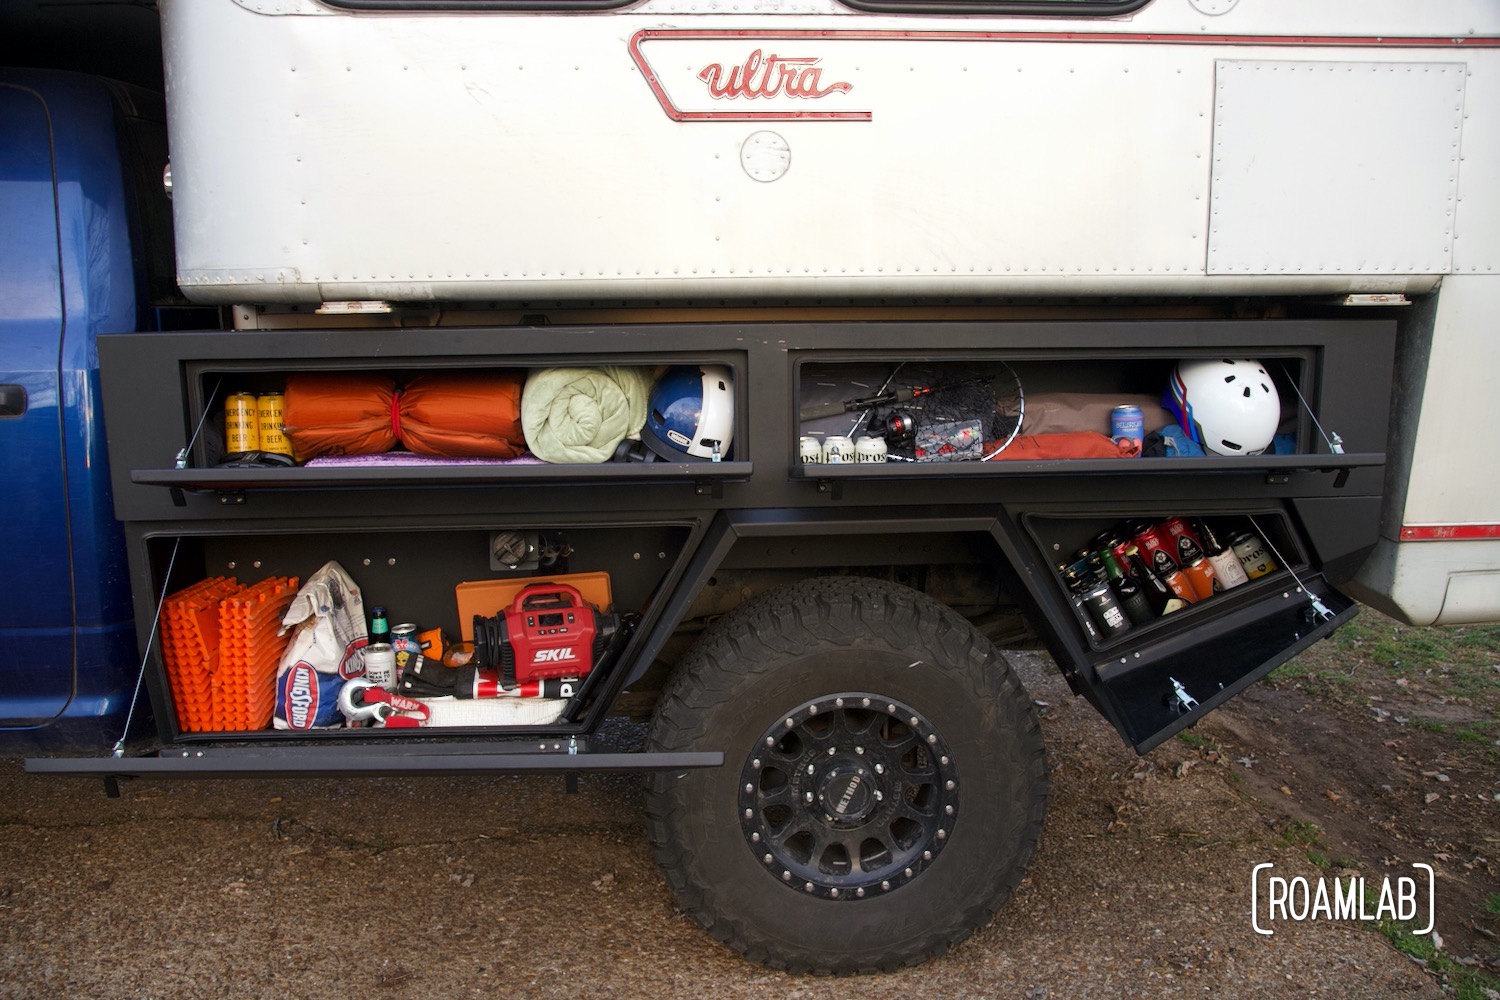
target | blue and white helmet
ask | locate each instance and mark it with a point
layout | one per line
(691, 413)
(1230, 407)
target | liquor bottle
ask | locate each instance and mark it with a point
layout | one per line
(1157, 594)
(1132, 599)
(1227, 569)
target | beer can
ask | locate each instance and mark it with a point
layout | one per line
(269, 410)
(1251, 551)
(1186, 545)
(380, 665)
(406, 645)
(812, 451)
(1127, 421)
(1158, 548)
(869, 449)
(1102, 606)
(1200, 573)
(838, 450)
(241, 424)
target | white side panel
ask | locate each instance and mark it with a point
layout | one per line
(483, 156)
(1476, 243)
(1359, 159)
(1460, 411)
(1452, 488)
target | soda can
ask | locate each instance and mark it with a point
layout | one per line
(838, 450)
(1186, 545)
(241, 424)
(1127, 421)
(380, 665)
(269, 410)
(869, 449)
(812, 451)
(1251, 551)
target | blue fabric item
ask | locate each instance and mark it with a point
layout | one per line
(1178, 443)
(1283, 444)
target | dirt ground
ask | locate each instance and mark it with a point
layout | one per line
(511, 887)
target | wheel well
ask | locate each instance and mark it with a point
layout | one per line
(959, 569)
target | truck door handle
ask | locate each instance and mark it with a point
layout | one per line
(12, 400)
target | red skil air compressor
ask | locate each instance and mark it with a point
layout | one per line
(548, 631)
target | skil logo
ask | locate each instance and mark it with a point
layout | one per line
(728, 75)
(300, 692)
(770, 76)
(562, 655)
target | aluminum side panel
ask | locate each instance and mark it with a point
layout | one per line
(473, 156)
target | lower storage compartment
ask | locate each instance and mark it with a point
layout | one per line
(1179, 611)
(328, 632)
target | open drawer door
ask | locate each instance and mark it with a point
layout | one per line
(1153, 693)
(1152, 677)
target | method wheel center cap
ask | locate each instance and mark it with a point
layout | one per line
(847, 793)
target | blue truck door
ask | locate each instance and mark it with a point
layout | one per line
(36, 605)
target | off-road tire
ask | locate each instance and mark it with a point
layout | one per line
(827, 646)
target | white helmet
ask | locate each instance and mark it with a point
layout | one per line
(691, 413)
(1230, 407)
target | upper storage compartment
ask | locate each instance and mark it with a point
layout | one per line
(1206, 404)
(390, 409)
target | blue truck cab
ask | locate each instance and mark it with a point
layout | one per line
(70, 271)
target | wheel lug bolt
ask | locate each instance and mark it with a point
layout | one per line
(808, 796)
(860, 751)
(908, 873)
(840, 703)
(885, 885)
(768, 859)
(749, 813)
(948, 810)
(926, 855)
(950, 785)
(834, 893)
(879, 768)
(755, 763)
(859, 893)
(914, 721)
(932, 737)
(942, 835)
(879, 796)
(786, 876)
(749, 788)
(864, 702)
(755, 838)
(810, 769)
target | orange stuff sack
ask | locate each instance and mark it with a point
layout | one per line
(1073, 444)
(450, 414)
(458, 415)
(338, 414)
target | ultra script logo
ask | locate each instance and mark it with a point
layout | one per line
(770, 76)
(702, 75)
